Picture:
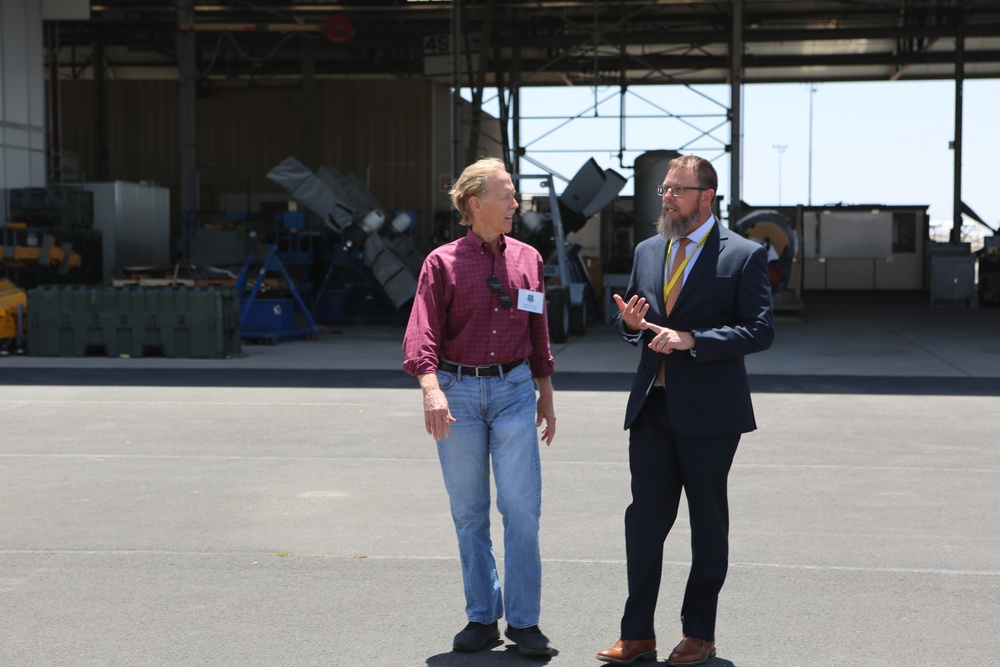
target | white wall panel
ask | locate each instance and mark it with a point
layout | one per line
(2, 61)
(3, 181)
(37, 168)
(22, 97)
(16, 136)
(13, 49)
(17, 162)
(855, 235)
(33, 61)
(36, 140)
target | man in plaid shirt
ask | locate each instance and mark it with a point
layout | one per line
(477, 340)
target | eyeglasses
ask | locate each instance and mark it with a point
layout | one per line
(494, 284)
(676, 190)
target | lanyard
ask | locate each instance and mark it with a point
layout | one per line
(680, 269)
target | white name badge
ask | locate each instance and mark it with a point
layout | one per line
(533, 302)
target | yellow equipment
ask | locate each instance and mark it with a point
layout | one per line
(48, 254)
(11, 297)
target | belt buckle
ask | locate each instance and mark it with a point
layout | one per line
(478, 368)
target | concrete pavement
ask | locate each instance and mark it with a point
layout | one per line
(286, 508)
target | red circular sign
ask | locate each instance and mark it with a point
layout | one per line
(338, 28)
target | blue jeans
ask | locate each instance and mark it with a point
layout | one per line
(495, 419)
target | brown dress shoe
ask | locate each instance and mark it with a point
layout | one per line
(691, 651)
(627, 651)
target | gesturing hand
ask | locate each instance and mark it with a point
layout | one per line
(633, 312)
(667, 340)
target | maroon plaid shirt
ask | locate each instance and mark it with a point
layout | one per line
(456, 318)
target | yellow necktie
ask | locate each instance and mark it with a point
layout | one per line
(670, 298)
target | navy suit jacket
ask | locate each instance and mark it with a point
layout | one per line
(725, 303)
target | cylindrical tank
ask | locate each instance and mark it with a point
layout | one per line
(650, 168)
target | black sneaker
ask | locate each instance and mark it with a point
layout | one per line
(530, 641)
(476, 636)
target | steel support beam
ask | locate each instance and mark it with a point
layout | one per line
(736, 113)
(956, 225)
(188, 81)
(515, 105)
(103, 156)
(480, 83)
(309, 157)
(54, 119)
(456, 84)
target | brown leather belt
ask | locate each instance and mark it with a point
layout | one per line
(479, 371)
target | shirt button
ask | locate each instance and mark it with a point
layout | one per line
(493, 354)
(494, 332)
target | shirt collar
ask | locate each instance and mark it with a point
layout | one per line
(704, 228)
(474, 240)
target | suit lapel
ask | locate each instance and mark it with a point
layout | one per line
(659, 258)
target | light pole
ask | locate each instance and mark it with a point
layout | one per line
(781, 150)
(812, 91)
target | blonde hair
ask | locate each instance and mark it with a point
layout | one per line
(472, 183)
(707, 178)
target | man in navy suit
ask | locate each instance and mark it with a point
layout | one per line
(700, 301)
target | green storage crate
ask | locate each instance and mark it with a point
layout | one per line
(63, 322)
(120, 309)
(134, 321)
(201, 323)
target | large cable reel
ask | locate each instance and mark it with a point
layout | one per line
(777, 234)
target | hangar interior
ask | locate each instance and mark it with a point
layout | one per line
(302, 151)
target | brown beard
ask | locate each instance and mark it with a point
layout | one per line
(674, 229)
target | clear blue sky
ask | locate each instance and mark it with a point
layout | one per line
(884, 143)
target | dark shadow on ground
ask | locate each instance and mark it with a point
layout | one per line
(383, 379)
(509, 657)
(505, 656)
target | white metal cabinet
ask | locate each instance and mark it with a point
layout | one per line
(134, 219)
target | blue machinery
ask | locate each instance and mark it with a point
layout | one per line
(271, 320)
(386, 265)
(350, 293)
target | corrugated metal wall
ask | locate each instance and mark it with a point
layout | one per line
(22, 98)
(381, 131)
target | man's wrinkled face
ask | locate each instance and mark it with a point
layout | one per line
(680, 214)
(498, 203)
